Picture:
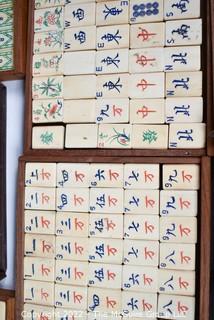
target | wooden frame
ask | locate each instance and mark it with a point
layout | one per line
(203, 248)
(20, 42)
(3, 242)
(8, 296)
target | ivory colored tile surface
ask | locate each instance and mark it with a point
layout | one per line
(144, 279)
(108, 175)
(71, 297)
(147, 85)
(178, 256)
(37, 311)
(105, 250)
(71, 272)
(106, 200)
(175, 307)
(96, 316)
(79, 14)
(141, 253)
(150, 136)
(48, 137)
(38, 292)
(47, 87)
(51, 41)
(79, 62)
(144, 11)
(112, 110)
(42, 222)
(186, 9)
(142, 227)
(64, 314)
(48, 110)
(181, 176)
(110, 37)
(112, 61)
(141, 201)
(109, 300)
(140, 304)
(178, 229)
(68, 248)
(76, 111)
(72, 199)
(187, 136)
(80, 87)
(73, 175)
(3, 310)
(115, 136)
(80, 38)
(38, 198)
(81, 136)
(182, 59)
(39, 269)
(105, 276)
(111, 13)
(72, 224)
(141, 176)
(175, 203)
(146, 60)
(48, 19)
(40, 245)
(40, 174)
(184, 32)
(184, 84)
(182, 110)
(177, 282)
(112, 86)
(48, 64)
(106, 226)
(147, 111)
(45, 4)
(147, 35)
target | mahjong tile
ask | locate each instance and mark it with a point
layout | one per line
(72, 224)
(72, 248)
(38, 292)
(105, 276)
(105, 250)
(108, 175)
(42, 222)
(106, 226)
(39, 269)
(142, 227)
(71, 272)
(141, 176)
(141, 202)
(106, 200)
(71, 297)
(73, 175)
(39, 245)
(72, 199)
(40, 174)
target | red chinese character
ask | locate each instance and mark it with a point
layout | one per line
(78, 200)
(78, 274)
(184, 203)
(117, 111)
(110, 275)
(46, 247)
(79, 176)
(45, 223)
(44, 295)
(78, 224)
(144, 111)
(111, 250)
(184, 231)
(146, 306)
(78, 249)
(110, 303)
(45, 175)
(77, 297)
(112, 201)
(183, 284)
(148, 176)
(182, 308)
(45, 270)
(42, 317)
(149, 228)
(143, 84)
(45, 198)
(113, 175)
(184, 259)
(149, 202)
(185, 177)
(148, 254)
(110, 225)
(147, 280)
(145, 34)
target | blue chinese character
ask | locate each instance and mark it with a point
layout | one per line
(109, 61)
(111, 11)
(182, 109)
(134, 176)
(99, 225)
(169, 257)
(100, 174)
(134, 279)
(182, 31)
(100, 250)
(133, 252)
(169, 284)
(134, 226)
(185, 135)
(181, 5)
(64, 201)
(109, 37)
(99, 274)
(134, 201)
(169, 204)
(181, 83)
(79, 14)
(173, 176)
(133, 304)
(81, 36)
(179, 58)
(101, 201)
(96, 302)
(110, 85)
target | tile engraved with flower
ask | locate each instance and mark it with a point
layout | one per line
(47, 137)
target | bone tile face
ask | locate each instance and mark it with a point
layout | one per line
(38, 292)
(141, 176)
(178, 230)
(42, 222)
(112, 37)
(184, 84)
(112, 61)
(184, 32)
(188, 9)
(112, 86)
(146, 60)
(150, 136)
(48, 64)
(110, 300)
(80, 38)
(39, 269)
(40, 174)
(81, 136)
(141, 201)
(105, 276)
(145, 11)
(73, 175)
(175, 203)
(47, 87)
(71, 297)
(147, 111)
(79, 87)
(111, 13)
(142, 227)
(40, 245)
(106, 226)
(76, 111)
(72, 224)
(115, 136)
(141, 253)
(108, 175)
(38, 198)
(140, 301)
(45, 4)
(71, 272)
(51, 41)
(112, 110)
(38, 311)
(105, 250)
(68, 248)
(48, 110)
(177, 256)
(79, 15)
(183, 110)
(79, 62)
(48, 19)
(146, 85)
(48, 137)
(147, 35)
(180, 306)
(106, 200)
(72, 199)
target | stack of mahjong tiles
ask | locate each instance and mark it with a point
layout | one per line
(102, 241)
(117, 74)
(6, 35)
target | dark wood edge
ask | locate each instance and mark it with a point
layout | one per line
(8, 296)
